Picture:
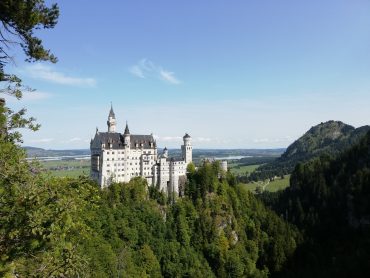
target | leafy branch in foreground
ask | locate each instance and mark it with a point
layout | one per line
(18, 21)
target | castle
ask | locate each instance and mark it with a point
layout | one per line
(117, 157)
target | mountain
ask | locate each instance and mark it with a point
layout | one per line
(39, 152)
(329, 138)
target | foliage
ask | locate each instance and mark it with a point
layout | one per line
(68, 227)
(328, 201)
(41, 221)
(19, 19)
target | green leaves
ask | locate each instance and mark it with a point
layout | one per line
(18, 20)
(68, 227)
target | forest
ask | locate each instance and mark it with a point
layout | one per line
(58, 227)
(65, 227)
(328, 201)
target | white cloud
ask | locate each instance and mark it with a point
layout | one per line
(40, 71)
(168, 76)
(136, 70)
(261, 140)
(167, 138)
(170, 138)
(75, 139)
(202, 139)
(42, 140)
(273, 140)
(146, 69)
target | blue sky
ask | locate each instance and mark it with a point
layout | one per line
(233, 74)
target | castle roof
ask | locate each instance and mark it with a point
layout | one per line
(177, 159)
(127, 131)
(117, 140)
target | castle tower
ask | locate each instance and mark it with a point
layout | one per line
(187, 149)
(165, 152)
(111, 120)
(126, 136)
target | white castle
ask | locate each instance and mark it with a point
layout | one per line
(117, 157)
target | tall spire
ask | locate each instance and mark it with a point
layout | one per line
(111, 120)
(111, 113)
(127, 131)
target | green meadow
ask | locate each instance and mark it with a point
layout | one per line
(67, 168)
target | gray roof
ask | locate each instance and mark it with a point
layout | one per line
(177, 159)
(117, 140)
(186, 136)
(127, 131)
(111, 113)
(145, 139)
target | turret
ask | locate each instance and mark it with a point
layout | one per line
(187, 149)
(126, 136)
(165, 152)
(111, 120)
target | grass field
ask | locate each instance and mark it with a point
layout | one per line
(242, 170)
(67, 168)
(278, 184)
(271, 186)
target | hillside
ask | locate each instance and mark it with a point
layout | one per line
(328, 200)
(329, 138)
(39, 152)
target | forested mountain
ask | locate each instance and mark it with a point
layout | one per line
(329, 138)
(61, 227)
(328, 200)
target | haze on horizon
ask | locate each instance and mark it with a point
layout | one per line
(242, 75)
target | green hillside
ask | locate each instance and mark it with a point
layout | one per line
(328, 138)
(328, 200)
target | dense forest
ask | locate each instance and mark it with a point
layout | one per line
(328, 200)
(62, 227)
(58, 227)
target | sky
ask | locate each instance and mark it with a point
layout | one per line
(232, 74)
